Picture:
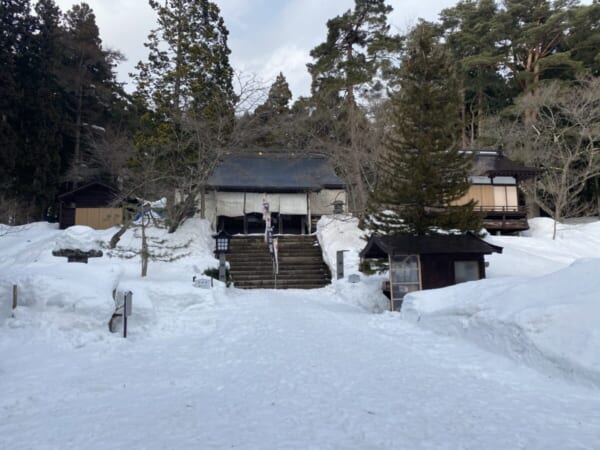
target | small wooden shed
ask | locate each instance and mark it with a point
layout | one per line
(92, 205)
(428, 262)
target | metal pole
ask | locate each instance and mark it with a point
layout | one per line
(124, 323)
(14, 302)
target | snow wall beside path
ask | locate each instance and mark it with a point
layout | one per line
(550, 322)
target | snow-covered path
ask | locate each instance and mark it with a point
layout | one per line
(282, 370)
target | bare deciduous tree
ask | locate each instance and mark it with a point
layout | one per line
(564, 142)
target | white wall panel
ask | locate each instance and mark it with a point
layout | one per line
(230, 204)
(293, 204)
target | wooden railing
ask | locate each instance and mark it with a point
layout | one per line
(504, 218)
(493, 210)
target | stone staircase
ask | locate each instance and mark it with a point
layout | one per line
(301, 263)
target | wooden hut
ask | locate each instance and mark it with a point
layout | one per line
(91, 205)
(494, 181)
(428, 262)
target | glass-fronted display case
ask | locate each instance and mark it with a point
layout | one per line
(405, 277)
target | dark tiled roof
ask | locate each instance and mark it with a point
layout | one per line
(268, 174)
(98, 185)
(380, 246)
(494, 164)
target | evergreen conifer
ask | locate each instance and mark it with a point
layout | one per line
(423, 173)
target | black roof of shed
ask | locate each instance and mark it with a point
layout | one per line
(266, 174)
(381, 246)
(98, 185)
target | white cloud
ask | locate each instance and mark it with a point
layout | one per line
(266, 36)
(289, 59)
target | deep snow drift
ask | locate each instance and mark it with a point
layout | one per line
(226, 368)
(547, 314)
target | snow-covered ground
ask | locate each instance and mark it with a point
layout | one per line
(541, 305)
(508, 362)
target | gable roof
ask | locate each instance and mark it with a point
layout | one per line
(94, 184)
(494, 163)
(263, 173)
(380, 246)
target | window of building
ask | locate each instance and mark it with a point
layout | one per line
(466, 271)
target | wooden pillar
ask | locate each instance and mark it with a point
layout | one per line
(245, 218)
(308, 218)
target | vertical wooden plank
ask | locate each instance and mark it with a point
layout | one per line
(512, 198)
(487, 196)
(101, 218)
(105, 218)
(92, 215)
(500, 197)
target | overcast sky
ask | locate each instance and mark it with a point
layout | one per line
(265, 36)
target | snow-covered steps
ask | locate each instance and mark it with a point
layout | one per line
(301, 263)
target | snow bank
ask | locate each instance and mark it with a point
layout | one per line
(341, 232)
(366, 294)
(550, 322)
(67, 302)
(538, 304)
(75, 301)
(535, 253)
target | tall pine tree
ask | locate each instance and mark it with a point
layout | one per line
(90, 81)
(271, 118)
(423, 171)
(15, 26)
(187, 85)
(534, 34)
(42, 114)
(471, 33)
(357, 56)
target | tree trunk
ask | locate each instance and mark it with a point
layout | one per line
(78, 124)
(557, 217)
(178, 64)
(349, 86)
(360, 194)
(480, 114)
(463, 114)
(203, 202)
(472, 130)
(117, 236)
(145, 253)
(533, 208)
